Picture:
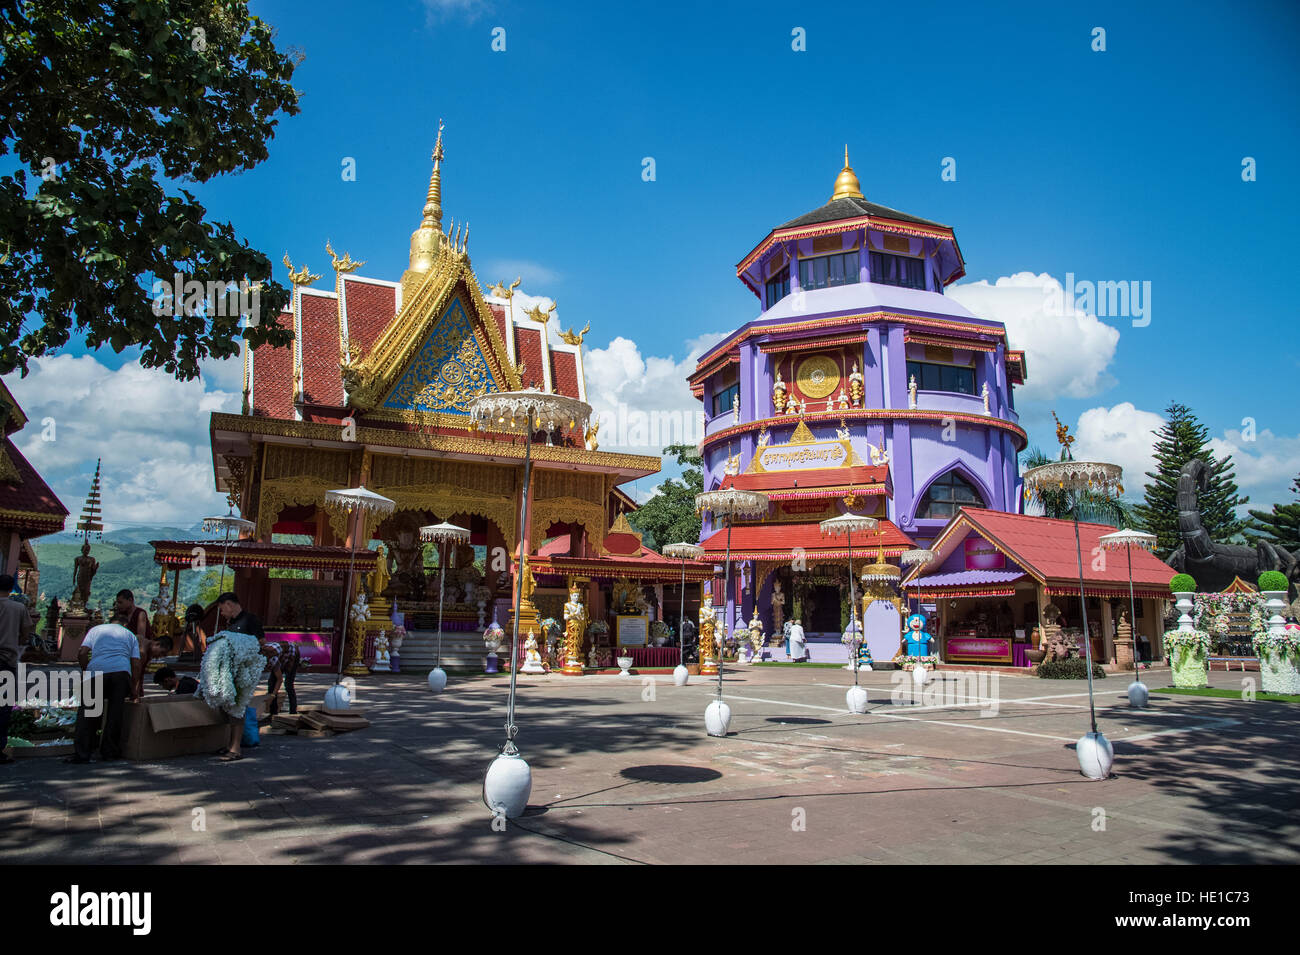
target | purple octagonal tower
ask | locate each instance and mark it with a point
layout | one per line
(858, 378)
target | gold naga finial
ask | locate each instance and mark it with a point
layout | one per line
(569, 338)
(1063, 435)
(344, 263)
(537, 314)
(303, 276)
(501, 290)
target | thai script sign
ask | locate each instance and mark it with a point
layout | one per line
(632, 629)
(981, 555)
(978, 648)
(800, 457)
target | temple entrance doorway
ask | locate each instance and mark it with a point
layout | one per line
(824, 609)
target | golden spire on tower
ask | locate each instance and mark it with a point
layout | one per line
(846, 183)
(428, 240)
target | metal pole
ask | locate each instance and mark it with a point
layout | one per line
(224, 547)
(442, 592)
(726, 579)
(853, 614)
(510, 749)
(1083, 610)
(681, 622)
(1132, 614)
(347, 592)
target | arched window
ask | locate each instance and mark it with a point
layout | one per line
(949, 492)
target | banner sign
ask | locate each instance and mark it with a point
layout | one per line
(981, 555)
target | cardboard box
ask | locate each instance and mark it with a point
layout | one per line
(160, 727)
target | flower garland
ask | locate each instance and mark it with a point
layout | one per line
(1212, 611)
(1196, 641)
(911, 662)
(1286, 643)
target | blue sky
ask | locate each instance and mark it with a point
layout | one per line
(1116, 165)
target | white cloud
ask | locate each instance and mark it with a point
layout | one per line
(1067, 351)
(150, 430)
(1122, 435)
(1265, 466)
(451, 9)
(622, 382)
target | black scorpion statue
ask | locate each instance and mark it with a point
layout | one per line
(1215, 565)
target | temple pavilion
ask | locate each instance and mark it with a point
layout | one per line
(375, 391)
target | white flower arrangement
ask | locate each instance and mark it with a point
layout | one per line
(1286, 643)
(1194, 641)
(910, 663)
(230, 671)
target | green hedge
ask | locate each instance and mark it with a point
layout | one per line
(1075, 668)
(1273, 580)
(1182, 584)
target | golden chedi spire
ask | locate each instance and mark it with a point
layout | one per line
(428, 239)
(846, 183)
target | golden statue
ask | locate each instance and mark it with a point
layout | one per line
(529, 584)
(778, 394)
(589, 439)
(379, 577)
(575, 626)
(855, 387)
(342, 263)
(540, 315)
(303, 276)
(708, 627)
(1063, 436)
(569, 338)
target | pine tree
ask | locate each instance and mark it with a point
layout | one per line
(1279, 527)
(1180, 439)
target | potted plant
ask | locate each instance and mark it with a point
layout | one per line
(1278, 648)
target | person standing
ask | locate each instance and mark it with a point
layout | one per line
(237, 619)
(110, 654)
(798, 649)
(15, 631)
(135, 619)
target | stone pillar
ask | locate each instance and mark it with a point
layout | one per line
(1124, 646)
(1107, 644)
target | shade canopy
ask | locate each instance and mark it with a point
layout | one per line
(848, 523)
(351, 499)
(523, 412)
(227, 523)
(917, 556)
(1128, 538)
(732, 503)
(1097, 476)
(683, 551)
(444, 533)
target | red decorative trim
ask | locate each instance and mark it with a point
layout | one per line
(837, 226)
(715, 365)
(802, 344)
(948, 342)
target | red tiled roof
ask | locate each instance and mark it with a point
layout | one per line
(273, 377)
(528, 352)
(1045, 547)
(564, 373)
(779, 541)
(499, 313)
(30, 503)
(369, 308)
(321, 380)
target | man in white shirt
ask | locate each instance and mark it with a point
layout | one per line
(110, 653)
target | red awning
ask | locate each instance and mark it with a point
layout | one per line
(780, 541)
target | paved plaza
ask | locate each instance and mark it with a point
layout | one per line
(623, 772)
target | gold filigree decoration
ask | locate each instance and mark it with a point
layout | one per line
(569, 510)
(293, 492)
(448, 500)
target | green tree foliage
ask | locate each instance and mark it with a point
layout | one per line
(1180, 439)
(669, 516)
(1280, 526)
(103, 107)
(1093, 507)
